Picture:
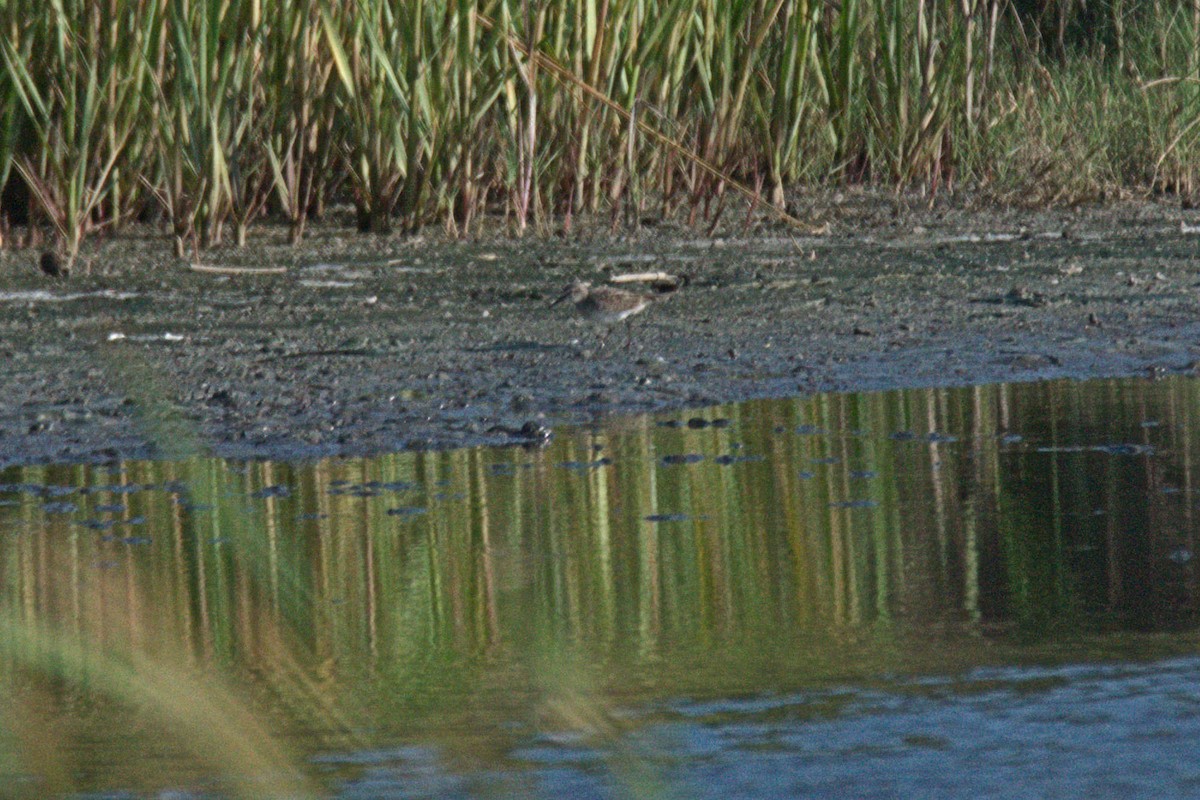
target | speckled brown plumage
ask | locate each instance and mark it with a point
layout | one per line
(604, 305)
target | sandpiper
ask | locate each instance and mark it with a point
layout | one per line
(604, 304)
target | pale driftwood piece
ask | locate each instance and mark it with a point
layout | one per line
(237, 270)
(645, 277)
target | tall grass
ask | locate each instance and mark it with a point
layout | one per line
(442, 111)
(81, 74)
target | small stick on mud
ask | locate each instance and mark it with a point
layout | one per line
(643, 277)
(661, 282)
(237, 270)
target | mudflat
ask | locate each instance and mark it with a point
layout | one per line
(354, 344)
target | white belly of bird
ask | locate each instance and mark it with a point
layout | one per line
(609, 316)
(617, 316)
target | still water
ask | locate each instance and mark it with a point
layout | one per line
(987, 591)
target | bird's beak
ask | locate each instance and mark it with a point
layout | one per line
(566, 293)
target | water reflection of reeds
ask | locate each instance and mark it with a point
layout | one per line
(817, 537)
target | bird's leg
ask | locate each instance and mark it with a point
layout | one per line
(628, 334)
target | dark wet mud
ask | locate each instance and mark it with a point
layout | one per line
(375, 344)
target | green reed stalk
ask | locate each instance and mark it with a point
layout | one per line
(521, 23)
(471, 85)
(839, 76)
(10, 109)
(782, 102)
(1172, 105)
(298, 109)
(81, 93)
(212, 119)
(666, 46)
(914, 68)
(381, 53)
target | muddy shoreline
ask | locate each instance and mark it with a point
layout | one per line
(369, 344)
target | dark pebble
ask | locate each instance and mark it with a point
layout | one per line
(406, 511)
(686, 458)
(725, 460)
(600, 462)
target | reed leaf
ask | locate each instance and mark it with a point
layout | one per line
(447, 110)
(82, 102)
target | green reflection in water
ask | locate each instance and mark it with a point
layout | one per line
(234, 619)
